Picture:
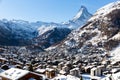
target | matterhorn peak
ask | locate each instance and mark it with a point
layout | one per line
(82, 14)
(79, 19)
(83, 7)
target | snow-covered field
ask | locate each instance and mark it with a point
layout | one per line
(116, 54)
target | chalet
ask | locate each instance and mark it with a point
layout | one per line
(5, 67)
(3, 60)
(88, 68)
(54, 67)
(60, 65)
(19, 74)
(96, 71)
(39, 66)
(16, 63)
(50, 73)
(65, 68)
(75, 72)
(2, 50)
(115, 63)
(18, 66)
(61, 72)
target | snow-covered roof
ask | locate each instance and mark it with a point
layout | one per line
(104, 62)
(88, 66)
(14, 73)
(96, 77)
(3, 59)
(68, 77)
(116, 76)
(41, 70)
(75, 69)
(114, 70)
(62, 72)
(49, 69)
(93, 68)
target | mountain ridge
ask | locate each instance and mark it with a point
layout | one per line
(79, 19)
(21, 32)
(100, 35)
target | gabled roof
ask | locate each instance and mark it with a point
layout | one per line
(14, 73)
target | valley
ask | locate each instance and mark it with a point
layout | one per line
(84, 48)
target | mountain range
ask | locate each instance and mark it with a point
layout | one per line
(22, 33)
(84, 34)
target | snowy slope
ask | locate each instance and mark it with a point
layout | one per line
(49, 26)
(82, 14)
(100, 35)
(19, 31)
(79, 19)
(100, 14)
(116, 53)
(17, 27)
(14, 32)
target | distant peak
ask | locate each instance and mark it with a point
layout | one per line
(83, 7)
(82, 13)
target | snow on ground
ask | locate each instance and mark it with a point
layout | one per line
(117, 36)
(68, 77)
(51, 48)
(116, 54)
(79, 14)
(116, 76)
(49, 26)
(105, 10)
(94, 40)
(84, 77)
(43, 29)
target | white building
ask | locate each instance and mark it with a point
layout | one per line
(19, 74)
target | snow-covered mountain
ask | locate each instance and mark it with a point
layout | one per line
(79, 19)
(19, 32)
(50, 33)
(100, 35)
(15, 32)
